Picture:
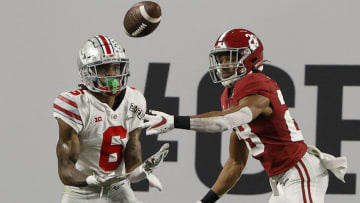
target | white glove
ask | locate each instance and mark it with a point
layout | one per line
(154, 182)
(198, 201)
(101, 179)
(154, 160)
(158, 123)
(145, 170)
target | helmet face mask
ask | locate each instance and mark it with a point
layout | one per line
(222, 59)
(103, 66)
(244, 53)
(102, 78)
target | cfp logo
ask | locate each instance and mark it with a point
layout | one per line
(253, 42)
(137, 110)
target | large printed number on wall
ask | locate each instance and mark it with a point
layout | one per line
(111, 148)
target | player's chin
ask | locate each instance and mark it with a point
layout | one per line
(110, 94)
(225, 76)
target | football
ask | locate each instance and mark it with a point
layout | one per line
(142, 19)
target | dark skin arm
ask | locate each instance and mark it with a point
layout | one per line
(67, 151)
(258, 104)
(234, 166)
(133, 151)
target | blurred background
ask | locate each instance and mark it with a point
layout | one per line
(313, 47)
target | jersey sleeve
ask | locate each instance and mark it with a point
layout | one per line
(136, 111)
(66, 108)
(255, 84)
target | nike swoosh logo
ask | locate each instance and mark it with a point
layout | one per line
(163, 121)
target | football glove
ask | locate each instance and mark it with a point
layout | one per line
(101, 179)
(158, 122)
(154, 160)
(145, 169)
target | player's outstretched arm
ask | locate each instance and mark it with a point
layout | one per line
(231, 172)
(67, 150)
(248, 109)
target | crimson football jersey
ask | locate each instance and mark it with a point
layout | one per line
(276, 141)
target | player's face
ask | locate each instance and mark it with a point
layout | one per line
(111, 69)
(227, 64)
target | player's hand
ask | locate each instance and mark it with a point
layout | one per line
(145, 169)
(101, 179)
(154, 182)
(198, 201)
(158, 122)
(154, 160)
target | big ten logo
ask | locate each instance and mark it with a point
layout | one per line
(98, 119)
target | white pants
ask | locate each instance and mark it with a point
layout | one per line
(306, 182)
(119, 192)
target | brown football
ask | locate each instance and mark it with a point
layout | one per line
(142, 19)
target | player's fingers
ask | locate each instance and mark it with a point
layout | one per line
(111, 175)
(148, 117)
(151, 120)
(151, 132)
(154, 112)
(149, 124)
(164, 147)
(95, 170)
(165, 153)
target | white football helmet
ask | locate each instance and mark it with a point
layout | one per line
(96, 57)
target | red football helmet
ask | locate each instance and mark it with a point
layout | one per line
(245, 53)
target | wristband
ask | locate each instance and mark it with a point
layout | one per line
(210, 197)
(182, 122)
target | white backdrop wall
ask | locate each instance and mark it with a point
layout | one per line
(40, 40)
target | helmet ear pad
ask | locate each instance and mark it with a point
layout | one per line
(253, 61)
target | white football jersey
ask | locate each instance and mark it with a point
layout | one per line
(103, 132)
